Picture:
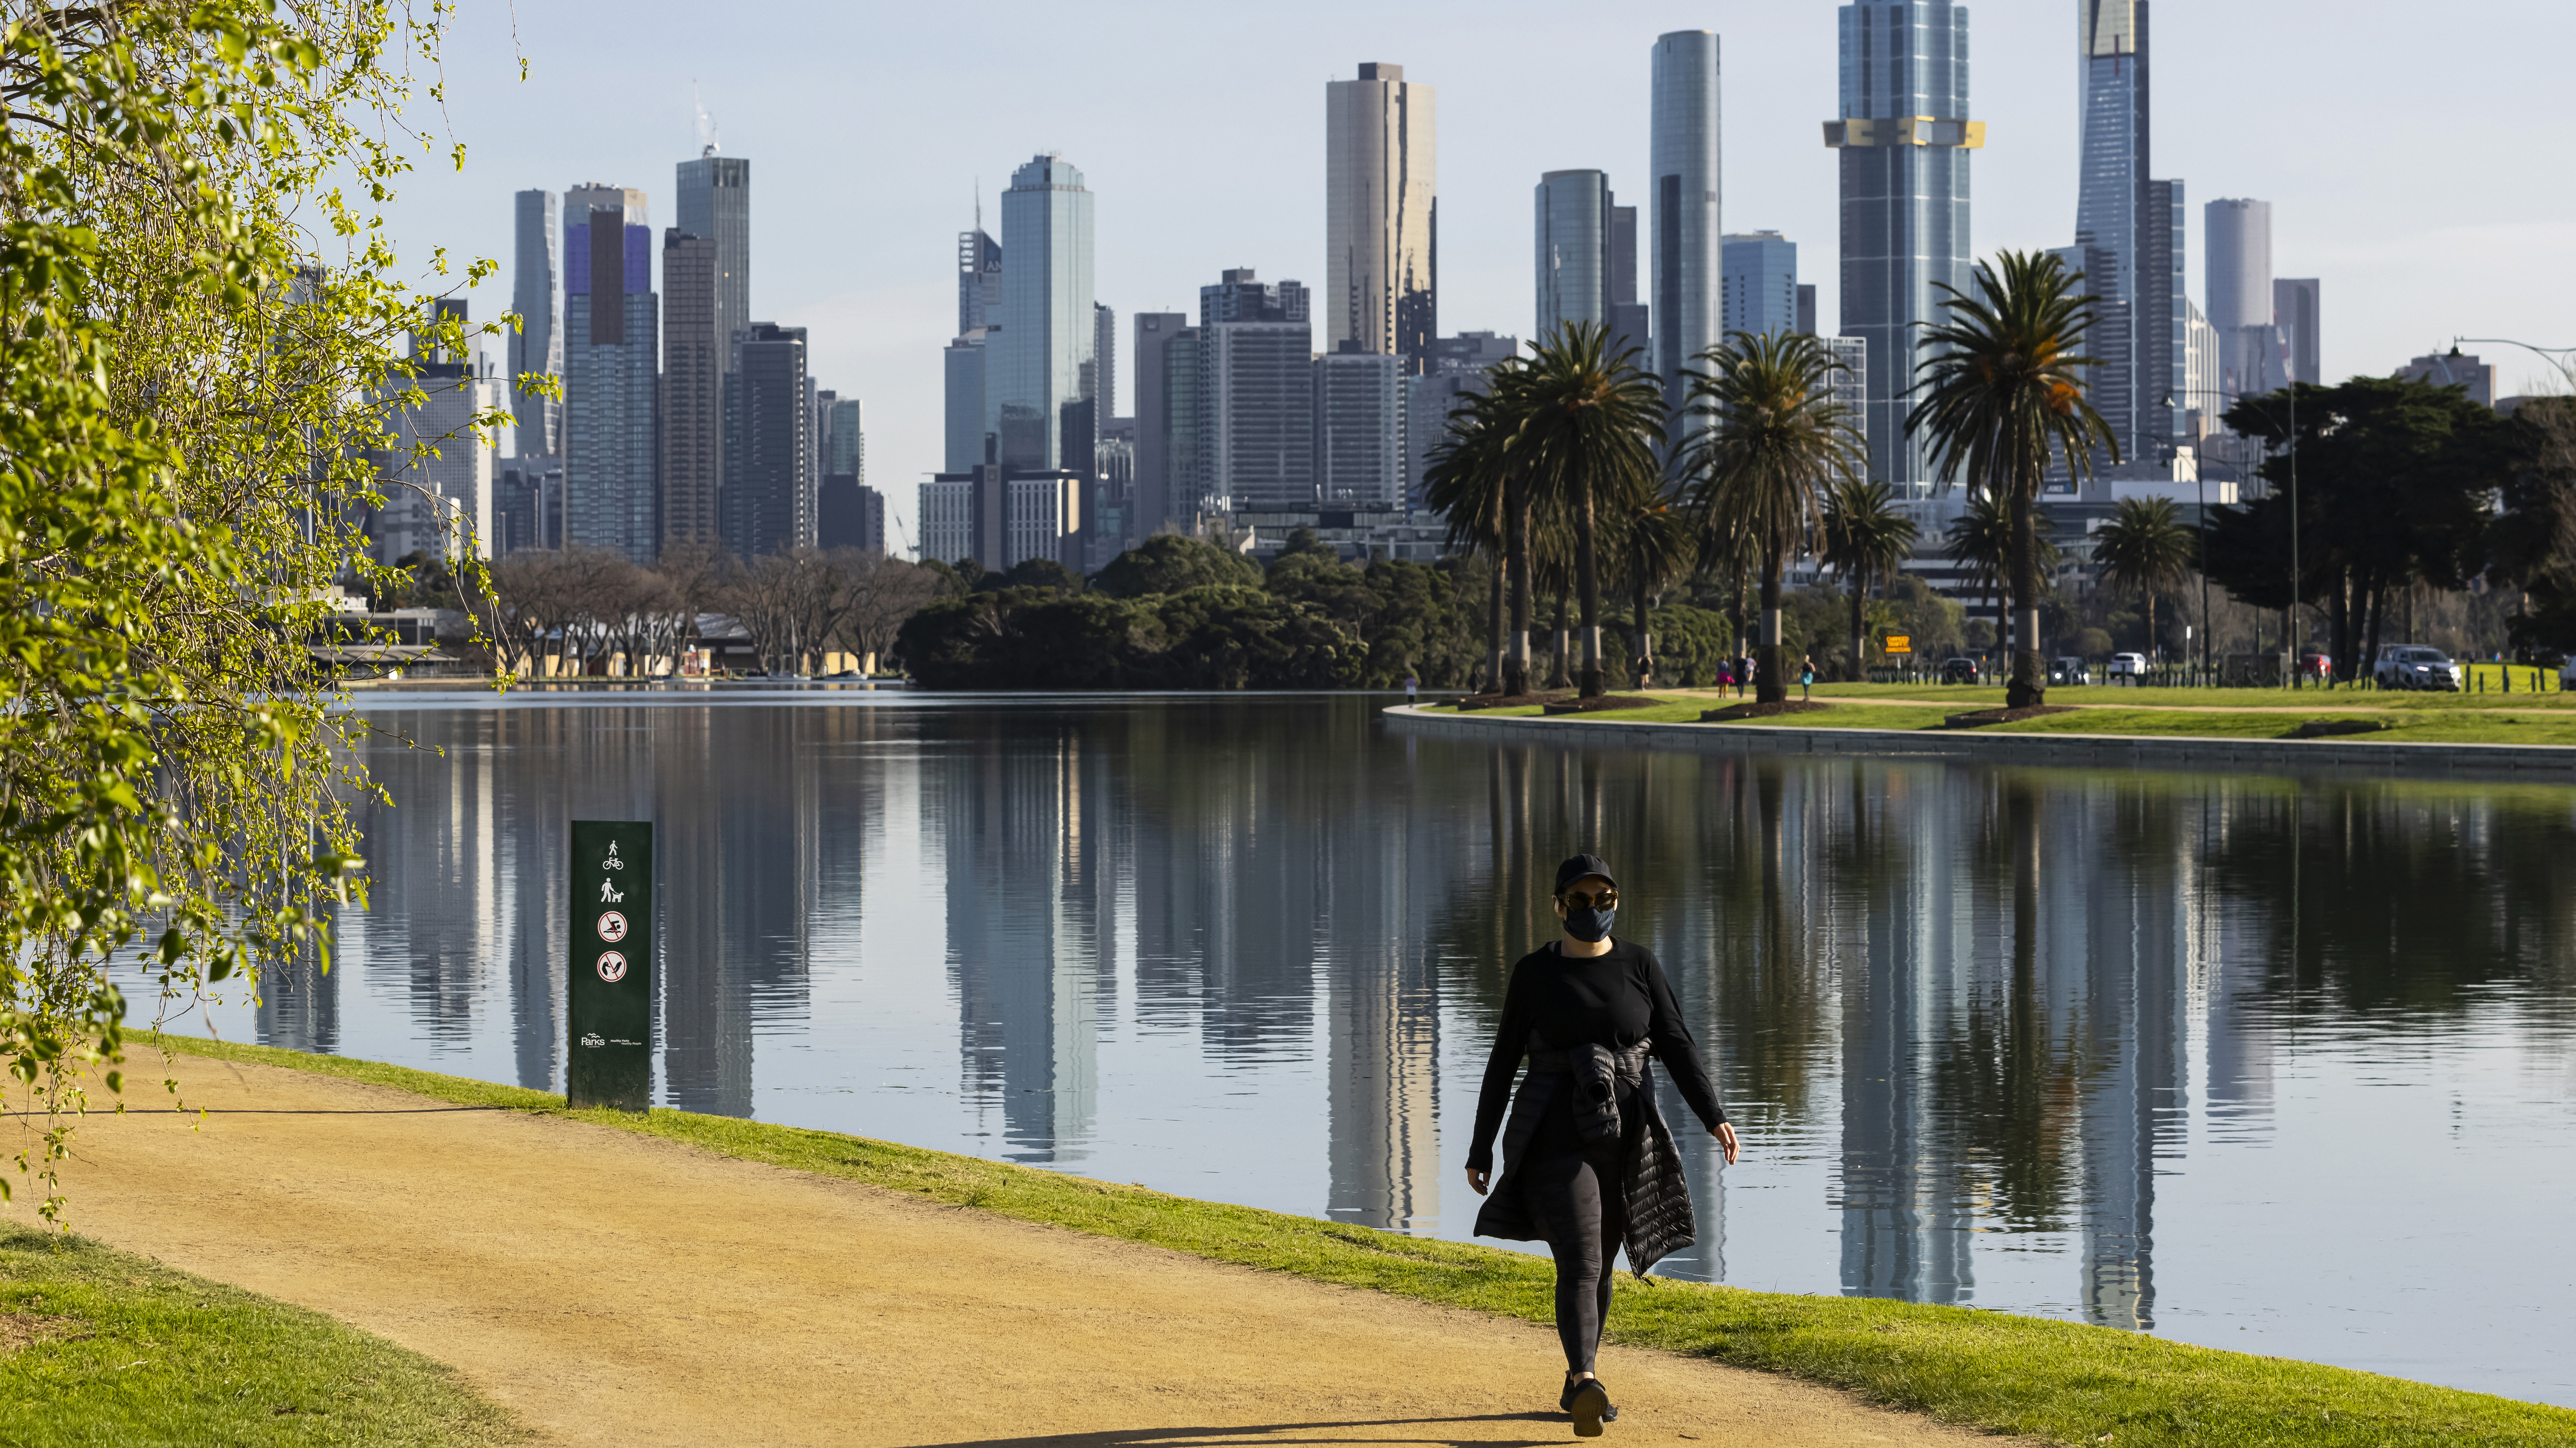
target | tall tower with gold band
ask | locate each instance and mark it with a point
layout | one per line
(1903, 137)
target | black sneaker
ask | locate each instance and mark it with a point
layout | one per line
(1589, 1402)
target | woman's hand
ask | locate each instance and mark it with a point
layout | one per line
(1479, 1180)
(1725, 1139)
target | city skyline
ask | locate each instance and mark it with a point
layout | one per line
(869, 286)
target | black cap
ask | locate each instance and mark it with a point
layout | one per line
(1580, 866)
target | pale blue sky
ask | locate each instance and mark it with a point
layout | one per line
(2414, 154)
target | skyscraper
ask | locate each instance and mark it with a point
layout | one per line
(715, 202)
(770, 481)
(1155, 443)
(1685, 205)
(1381, 214)
(1033, 384)
(439, 478)
(612, 326)
(1455, 369)
(2296, 308)
(1359, 429)
(693, 362)
(2239, 272)
(845, 439)
(2128, 230)
(1760, 288)
(1256, 435)
(979, 279)
(1628, 320)
(1904, 136)
(1104, 363)
(1573, 250)
(538, 344)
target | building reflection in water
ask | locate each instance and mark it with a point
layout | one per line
(1970, 1018)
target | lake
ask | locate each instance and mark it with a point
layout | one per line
(2276, 1064)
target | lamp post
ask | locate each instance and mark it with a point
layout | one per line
(2562, 358)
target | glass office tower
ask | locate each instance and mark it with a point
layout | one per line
(1573, 239)
(1381, 214)
(1761, 291)
(1904, 138)
(538, 344)
(1684, 306)
(1035, 363)
(612, 351)
(715, 202)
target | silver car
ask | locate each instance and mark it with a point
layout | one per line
(2413, 666)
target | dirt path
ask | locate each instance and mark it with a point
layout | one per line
(614, 1289)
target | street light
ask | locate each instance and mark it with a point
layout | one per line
(2562, 358)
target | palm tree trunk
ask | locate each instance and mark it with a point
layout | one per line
(1860, 595)
(2151, 623)
(1770, 686)
(2029, 682)
(1494, 626)
(1587, 582)
(1645, 653)
(1516, 665)
(1557, 677)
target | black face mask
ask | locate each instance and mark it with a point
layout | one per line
(1590, 925)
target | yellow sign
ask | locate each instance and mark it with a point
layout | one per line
(1900, 643)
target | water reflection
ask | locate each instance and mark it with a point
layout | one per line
(2129, 1048)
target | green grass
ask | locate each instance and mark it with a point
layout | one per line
(2303, 700)
(119, 1351)
(2026, 1375)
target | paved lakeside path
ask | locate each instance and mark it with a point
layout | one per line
(613, 1288)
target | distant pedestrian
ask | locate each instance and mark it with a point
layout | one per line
(1806, 679)
(1588, 1164)
(1411, 685)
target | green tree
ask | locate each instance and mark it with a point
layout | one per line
(1170, 563)
(1470, 482)
(2397, 481)
(1656, 550)
(1865, 537)
(1772, 439)
(2144, 550)
(2002, 389)
(201, 362)
(1588, 425)
(1980, 540)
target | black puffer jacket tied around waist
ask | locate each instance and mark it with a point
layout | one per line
(1586, 1025)
(1660, 1218)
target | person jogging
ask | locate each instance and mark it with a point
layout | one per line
(1588, 1164)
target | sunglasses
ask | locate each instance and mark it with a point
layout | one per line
(1577, 900)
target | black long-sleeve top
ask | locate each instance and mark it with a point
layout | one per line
(1615, 999)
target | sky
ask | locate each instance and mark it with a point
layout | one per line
(2404, 149)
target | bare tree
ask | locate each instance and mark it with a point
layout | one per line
(785, 603)
(875, 596)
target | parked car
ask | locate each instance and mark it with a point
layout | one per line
(1958, 671)
(2131, 667)
(2314, 665)
(2069, 670)
(2413, 666)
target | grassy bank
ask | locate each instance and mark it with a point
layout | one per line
(101, 1348)
(2152, 713)
(2024, 1375)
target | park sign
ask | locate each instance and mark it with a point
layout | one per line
(608, 999)
(1900, 643)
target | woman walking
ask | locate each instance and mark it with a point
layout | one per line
(1588, 1165)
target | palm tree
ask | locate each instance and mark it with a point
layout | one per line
(2144, 549)
(1980, 541)
(1655, 548)
(1469, 483)
(1588, 424)
(1773, 440)
(1865, 537)
(2002, 389)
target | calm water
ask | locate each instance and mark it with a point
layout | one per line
(2272, 1064)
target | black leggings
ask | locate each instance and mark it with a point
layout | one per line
(1577, 1203)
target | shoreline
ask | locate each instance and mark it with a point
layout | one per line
(2526, 763)
(2052, 1379)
